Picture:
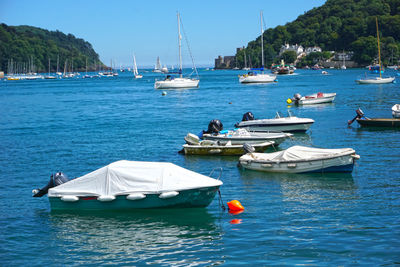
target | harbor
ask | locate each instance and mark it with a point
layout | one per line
(79, 125)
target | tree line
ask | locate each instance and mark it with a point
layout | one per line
(31, 46)
(338, 25)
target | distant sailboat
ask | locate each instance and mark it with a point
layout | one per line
(49, 77)
(380, 79)
(253, 77)
(178, 82)
(157, 67)
(135, 70)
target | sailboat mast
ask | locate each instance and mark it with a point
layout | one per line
(49, 66)
(379, 49)
(262, 41)
(179, 42)
(58, 61)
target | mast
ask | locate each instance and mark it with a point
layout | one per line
(245, 58)
(58, 61)
(49, 66)
(86, 65)
(262, 42)
(379, 49)
(179, 42)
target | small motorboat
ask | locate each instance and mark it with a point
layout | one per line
(279, 123)
(195, 146)
(240, 136)
(317, 98)
(127, 185)
(378, 122)
(300, 159)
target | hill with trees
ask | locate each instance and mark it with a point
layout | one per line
(338, 25)
(26, 46)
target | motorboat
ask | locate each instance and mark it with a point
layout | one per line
(283, 68)
(254, 77)
(317, 98)
(195, 146)
(242, 136)
(128, 185)
(180, 82)
(378, 122)
(215, 132)
(301, 159)
(279, 123)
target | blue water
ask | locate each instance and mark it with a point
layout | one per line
(79, 125)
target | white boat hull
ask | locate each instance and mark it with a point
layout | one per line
(177, 83)
(259, 78)
(313, 99)
(337, 164)
(376, 80)
(255, 138)
(287, 124)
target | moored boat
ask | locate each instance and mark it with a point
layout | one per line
(300, 159)
(195, 146)
(378, 122)
(279, 123)
(317, 98)
(127, 185)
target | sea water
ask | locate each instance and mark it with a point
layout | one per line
(79, 125)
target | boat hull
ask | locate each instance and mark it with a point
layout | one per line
(379, 122)
(177, 83)
(201, 197)
(376, 80)
(336, 164)
(259, 78)
(222, 150)
(302, 127)
(277, 138)
(316, 100)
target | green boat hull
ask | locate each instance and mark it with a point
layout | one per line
(379, 122)
(186, 199)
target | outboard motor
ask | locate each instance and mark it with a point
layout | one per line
(55, 179)
(248, 148)
(214, 126)
(396, 111)
(359, 115)
(296, 97)
(248, 116)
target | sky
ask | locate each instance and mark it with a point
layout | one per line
(117, 29)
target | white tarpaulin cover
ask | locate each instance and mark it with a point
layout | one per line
(298, 153)
(125, 177)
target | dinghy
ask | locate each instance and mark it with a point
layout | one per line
(301, 159)
(279, 123)
(378, 122)
(127, 185)
(195, 146)
(317, 98)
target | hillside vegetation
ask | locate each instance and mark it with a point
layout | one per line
(23, 44)
(338, 25)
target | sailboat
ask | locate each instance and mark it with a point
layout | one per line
(135, 70)
(157, 67)
(49, 77)
(253, 77)
(343, 67)
(380, 79)
(245, 61)
(178, 82)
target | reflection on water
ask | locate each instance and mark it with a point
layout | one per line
(148, 236)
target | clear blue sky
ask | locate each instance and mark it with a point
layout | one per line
(116, 29)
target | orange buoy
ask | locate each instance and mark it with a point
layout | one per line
(234, 205)
(236, 221)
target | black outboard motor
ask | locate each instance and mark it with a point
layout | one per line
(359, 115)
(214, 126)
(248, 116)
(55, 179)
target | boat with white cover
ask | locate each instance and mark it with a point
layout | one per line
(127, 185)
(180, 82)
(195, 146)
(301, 159)
(241, 136)
(317, 98)
(279, 123)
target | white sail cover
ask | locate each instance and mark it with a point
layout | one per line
(296, 153)
(125, 177)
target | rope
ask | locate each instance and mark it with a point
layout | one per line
(190, 52)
